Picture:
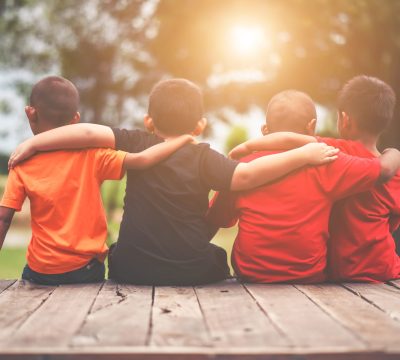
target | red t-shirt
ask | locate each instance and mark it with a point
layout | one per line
(283, 226)
(361, 246)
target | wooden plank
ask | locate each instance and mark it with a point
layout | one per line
(17, 303)
(303, 322)
(366, 321)
(234, 319)
(177, 319)
(58, 318)
(5, 284)
(194, 355)
(120, 316)
(384, 297)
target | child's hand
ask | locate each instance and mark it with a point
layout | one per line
(239, 151)
(23, 151)
(320, 153)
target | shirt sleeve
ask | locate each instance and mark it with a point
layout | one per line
(216, 170)
(347, 146)
(134, 140)
(222, 211)
(349, 175)
(109, 164)
(14, 193)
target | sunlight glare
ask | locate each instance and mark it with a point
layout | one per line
(247, 39)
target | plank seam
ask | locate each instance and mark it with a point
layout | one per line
(204, 318)
(276, 326)
(393, 284)
(356, 335)
(150, 327)
(70, 344)
(34, 310)
(369, 301)
(10, 284)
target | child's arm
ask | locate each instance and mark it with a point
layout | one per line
(274, 141)
(390, 164)
(155, 154)
(269, 168)
(75, 136)
(6, 215)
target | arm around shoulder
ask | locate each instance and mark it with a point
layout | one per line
(76, 136)
(156, 153)
(390, 164)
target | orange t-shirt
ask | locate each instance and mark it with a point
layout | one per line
(68, 222)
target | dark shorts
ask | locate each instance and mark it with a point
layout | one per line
(142, 272)
(90, 273)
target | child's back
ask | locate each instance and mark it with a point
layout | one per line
(69, 227)
(283, 227)
(361, 246)
(168, 241)
(68, 221)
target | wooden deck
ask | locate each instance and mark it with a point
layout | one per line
(222, 321)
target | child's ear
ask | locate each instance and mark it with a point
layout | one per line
(148, 123)
(201, 125)
(345, 120)
(76, 118)
(264, 129)
(310, 128)
(31, 114)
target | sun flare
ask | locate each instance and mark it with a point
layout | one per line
(247, 39)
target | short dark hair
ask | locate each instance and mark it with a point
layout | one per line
(176, 106)
(369, 101)
(55, 99)
(290, 110)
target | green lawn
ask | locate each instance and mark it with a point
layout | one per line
(12, 261)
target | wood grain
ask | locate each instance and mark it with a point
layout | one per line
(370, 324)
(58, 318)
(304, 323)
(5, 284)
(120, 316)
(18, 303)
(234, 319)
(177, 318)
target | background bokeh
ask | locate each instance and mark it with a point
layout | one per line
(240, 51)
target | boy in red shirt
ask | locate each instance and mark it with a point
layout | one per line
(361, 246)
(69, 226)
(283, 226)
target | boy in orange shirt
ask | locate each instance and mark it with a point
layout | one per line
(68, 222)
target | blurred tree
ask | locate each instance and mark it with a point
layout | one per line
(236, 136)
(115, 50)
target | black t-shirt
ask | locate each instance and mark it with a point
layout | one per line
(164, 237)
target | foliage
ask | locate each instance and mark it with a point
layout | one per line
(115, 50)
(237, 135)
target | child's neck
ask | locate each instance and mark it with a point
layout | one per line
(370, 142)
(164, 136)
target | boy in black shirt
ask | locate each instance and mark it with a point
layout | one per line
(164, 239)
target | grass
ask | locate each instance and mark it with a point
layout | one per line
(12, 261)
